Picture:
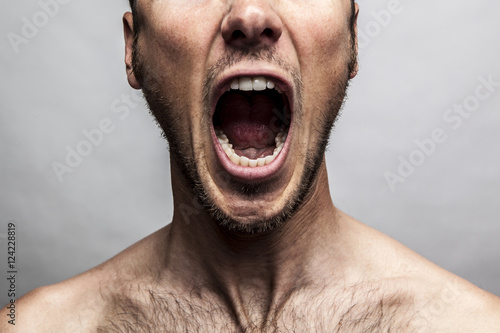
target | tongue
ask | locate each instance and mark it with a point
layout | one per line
(247, 121)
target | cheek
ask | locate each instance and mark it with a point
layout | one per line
(172, 54)
(173, 49)
(165, 52)
(324, 58)
(323, 43)
(173, 45)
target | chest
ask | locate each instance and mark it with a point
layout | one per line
(355, 312)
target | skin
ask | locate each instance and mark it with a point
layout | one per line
(318, 270)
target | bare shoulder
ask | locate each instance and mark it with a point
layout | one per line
(63, 307)
(447, 303)
(78, 304)
(442, 301)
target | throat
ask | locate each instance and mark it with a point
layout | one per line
(251, 138)
(251, 126)
(248, 121)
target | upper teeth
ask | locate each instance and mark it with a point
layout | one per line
(258, 83)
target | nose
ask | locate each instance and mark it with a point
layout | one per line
(250, 23)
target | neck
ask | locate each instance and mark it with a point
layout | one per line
(270, 265)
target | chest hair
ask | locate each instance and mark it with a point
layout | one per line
(356, 309)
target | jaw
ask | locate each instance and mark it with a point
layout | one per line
(250, 198)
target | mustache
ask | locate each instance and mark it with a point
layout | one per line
(264, 53)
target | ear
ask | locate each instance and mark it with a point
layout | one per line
(356, 67)
(128, 31)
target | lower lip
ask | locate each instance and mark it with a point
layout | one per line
(249, 173)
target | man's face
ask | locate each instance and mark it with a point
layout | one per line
(246, 93)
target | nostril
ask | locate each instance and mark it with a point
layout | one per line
(268, 32)
(237, 34)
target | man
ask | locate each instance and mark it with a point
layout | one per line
(246, 93)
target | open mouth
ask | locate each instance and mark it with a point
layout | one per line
(252, 122)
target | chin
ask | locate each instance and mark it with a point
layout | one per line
(252, 224)
(251, 214)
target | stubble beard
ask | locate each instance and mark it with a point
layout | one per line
(163, 109)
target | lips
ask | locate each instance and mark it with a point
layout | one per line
(251, 125)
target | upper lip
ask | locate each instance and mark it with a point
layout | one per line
(223, 83)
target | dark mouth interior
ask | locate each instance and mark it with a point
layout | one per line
(252, 119)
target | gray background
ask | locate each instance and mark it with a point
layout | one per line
(67, 77)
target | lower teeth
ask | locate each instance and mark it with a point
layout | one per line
(245, 161)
